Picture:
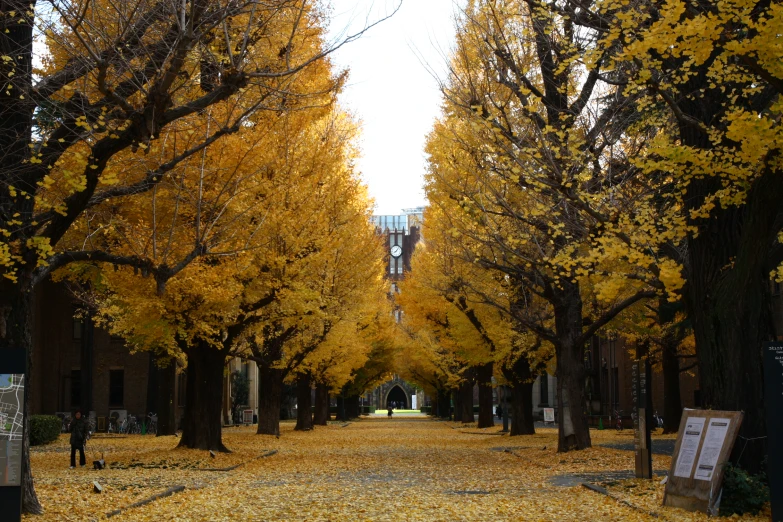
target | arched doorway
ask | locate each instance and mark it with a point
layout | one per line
(397, 396)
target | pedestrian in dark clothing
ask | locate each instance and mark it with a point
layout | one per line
(389, 411)
(499, 412)
(78, 438)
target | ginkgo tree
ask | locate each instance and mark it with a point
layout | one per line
(476, 307)
(114, 78)
(531, 162)
(228, 204)
(709, 76)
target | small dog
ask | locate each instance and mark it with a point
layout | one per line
(99, 464)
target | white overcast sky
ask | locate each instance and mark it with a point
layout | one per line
(391, 91)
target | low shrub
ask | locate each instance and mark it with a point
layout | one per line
(742, 492)
(44, 429)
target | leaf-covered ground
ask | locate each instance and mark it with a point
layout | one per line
(374, 469)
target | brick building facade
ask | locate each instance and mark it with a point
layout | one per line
(76, 365)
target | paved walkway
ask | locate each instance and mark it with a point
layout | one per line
(408, 468)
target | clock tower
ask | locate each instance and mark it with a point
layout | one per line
(402, 233)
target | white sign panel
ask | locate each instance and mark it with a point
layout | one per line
(690, 445)
(414, 403)
(247, 416)
(710, 451)
(549, 415)
(11, 426)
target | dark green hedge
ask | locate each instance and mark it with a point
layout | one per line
(44, 429)
(743, 493)
(426, 409)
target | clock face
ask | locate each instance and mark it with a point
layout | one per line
(396, 251)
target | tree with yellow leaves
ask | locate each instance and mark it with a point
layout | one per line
(115, 81)
(530, 162)
(709, 76)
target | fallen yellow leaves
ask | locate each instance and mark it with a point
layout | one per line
(376, 469)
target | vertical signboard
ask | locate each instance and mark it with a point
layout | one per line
(641, 380)
(704, 443)
(773, 402)
(12, 392)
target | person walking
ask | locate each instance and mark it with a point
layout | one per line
(79, 434)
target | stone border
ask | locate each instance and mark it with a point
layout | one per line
(235, 466)
(171, 491)
(180, 488)
(604, 491)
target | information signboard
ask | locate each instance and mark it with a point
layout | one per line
(12, 388)
(704, 443)
(247, 416)
(549, 415)
(773, 402)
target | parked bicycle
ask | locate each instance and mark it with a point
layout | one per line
(152, 424)
(129, 426)
(66, 423)
(658, 420)
(618, 415)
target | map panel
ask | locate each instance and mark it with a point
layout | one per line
(11, 426)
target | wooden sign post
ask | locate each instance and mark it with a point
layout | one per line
(773, 403)
(641, 377)
(704, 443)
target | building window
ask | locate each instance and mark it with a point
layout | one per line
(616, 386)
(543, 383)
(78, 327)
(116, 387)
(76, 388)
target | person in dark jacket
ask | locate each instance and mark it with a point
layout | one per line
(78, 438)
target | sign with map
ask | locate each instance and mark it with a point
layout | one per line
(11, 428)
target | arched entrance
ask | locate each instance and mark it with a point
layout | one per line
(397, 397)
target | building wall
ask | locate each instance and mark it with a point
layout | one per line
(57, 351)
(614, 361)
(547, 399)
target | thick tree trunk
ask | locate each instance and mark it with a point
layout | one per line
(727, 269)
(165, 399)
(201, 423)
(522, 409)
(342, 410)
(573, 430)
(304, 403)
(486, 419)
(520, 379)
(352, 407)
(16, 122)
(457, 398)
(270, 397)
(466, 401)
(321, 417)
(443, 404)
(16, 332)
(672, 402)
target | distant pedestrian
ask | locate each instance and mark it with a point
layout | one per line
(79, 433)
(389, 411)
(499, 412)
